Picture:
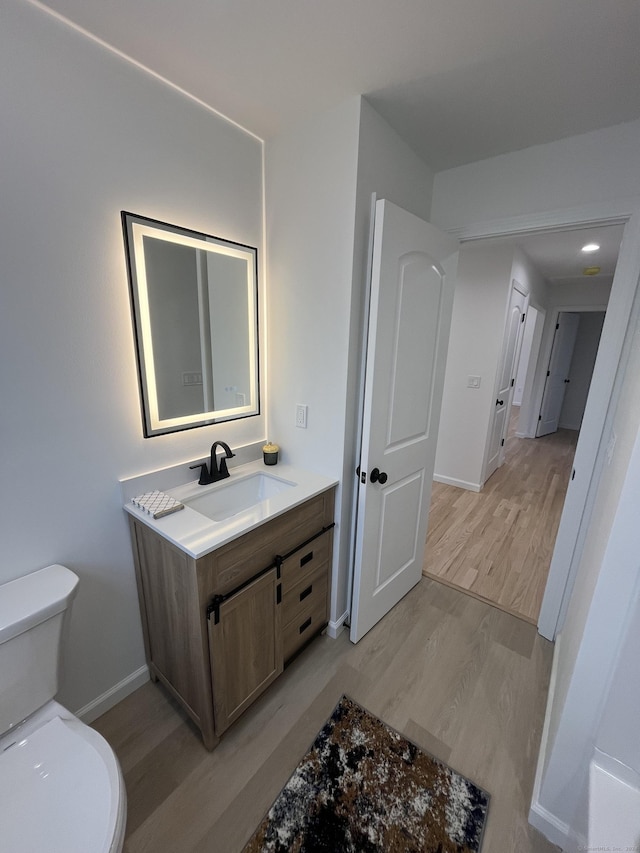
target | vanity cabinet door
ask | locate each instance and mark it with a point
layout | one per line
(245, 645)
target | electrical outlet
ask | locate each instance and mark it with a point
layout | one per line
(301, 416)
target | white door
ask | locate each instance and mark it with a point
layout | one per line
(506, 379)
(524, 360)
(412, 282)
(558, 374)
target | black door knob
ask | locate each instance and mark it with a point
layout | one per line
(499, 402)
(378, 476)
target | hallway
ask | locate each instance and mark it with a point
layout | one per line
(496, 545)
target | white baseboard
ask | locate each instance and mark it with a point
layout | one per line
(334, 629)
(554, 829)
(579, 842)
(573, 426)
(461, 484)
(114, 695)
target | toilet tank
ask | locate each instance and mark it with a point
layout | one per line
(32, 612)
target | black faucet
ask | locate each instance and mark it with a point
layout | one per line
(213, 473)
(220, 473)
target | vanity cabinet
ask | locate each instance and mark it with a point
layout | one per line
(218, 630)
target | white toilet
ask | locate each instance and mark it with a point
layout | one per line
(61, 788)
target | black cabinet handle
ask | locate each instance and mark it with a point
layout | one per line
(306, 559)
(306, 592)
(305, 625)
(378, 476)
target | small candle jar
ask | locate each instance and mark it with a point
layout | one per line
(270, 454)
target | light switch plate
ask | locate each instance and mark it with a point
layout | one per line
(473, 382)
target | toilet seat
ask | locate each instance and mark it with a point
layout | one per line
(61, 790)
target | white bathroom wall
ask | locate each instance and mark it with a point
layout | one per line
(596, 169)
(618, 729)
(85, 135)
(610, 806)
(598, 616)
(310, 201)
(319, 179)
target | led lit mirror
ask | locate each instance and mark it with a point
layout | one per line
(195, 314)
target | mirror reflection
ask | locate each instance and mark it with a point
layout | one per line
(194, 301)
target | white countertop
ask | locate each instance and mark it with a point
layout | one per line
(197, 535)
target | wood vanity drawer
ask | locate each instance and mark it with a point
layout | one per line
(237, 562)
(309, 616)
(305, 561)
(297, 598)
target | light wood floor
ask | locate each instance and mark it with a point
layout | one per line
(464, 680)
(497, 544)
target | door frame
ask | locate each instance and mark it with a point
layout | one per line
(544, 357)
(524, 292)
(622, 314)
(362, 373)
(526, 426)
(559, 339)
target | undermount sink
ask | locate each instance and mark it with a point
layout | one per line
(223, 500)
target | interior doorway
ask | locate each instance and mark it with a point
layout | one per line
(497, 544)
(573, 357)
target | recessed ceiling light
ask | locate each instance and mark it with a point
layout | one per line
(590, 247)
(591, 270)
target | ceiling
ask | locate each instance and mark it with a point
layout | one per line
(558, 255)
(460, 80)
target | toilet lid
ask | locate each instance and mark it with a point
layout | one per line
(59, 790)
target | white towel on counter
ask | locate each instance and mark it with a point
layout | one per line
(157, 503)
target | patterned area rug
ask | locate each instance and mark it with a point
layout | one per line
(363, 788)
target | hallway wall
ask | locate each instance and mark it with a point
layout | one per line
(483, 282)
(486, 270)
